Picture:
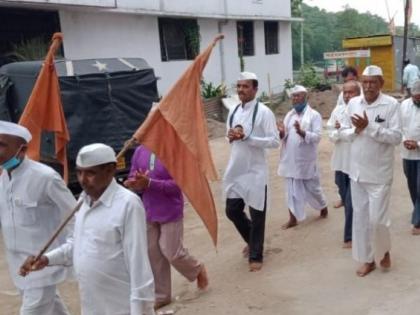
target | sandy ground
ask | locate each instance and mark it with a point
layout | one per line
(306, 272)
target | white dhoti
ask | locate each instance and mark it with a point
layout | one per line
(42, 301)
(371, 237)
(302, 191)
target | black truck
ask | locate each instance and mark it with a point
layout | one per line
(104, 100)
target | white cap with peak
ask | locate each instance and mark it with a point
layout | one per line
(12, 129)
(247, 76)
(372, 71)
(95, 154)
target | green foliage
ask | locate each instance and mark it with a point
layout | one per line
(208, 90)
(324, 31)
(296, 8)
(192, 35)
(31, 49)
(308, 76)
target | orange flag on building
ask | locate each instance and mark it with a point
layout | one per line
(44, 111)
(176, 131)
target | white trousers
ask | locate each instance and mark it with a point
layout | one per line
(42, 301)
(371, 237)
(302, 191)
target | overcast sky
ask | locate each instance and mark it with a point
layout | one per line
(377, 7)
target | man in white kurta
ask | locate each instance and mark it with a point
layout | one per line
(375, 133)
(410, 150)
(251, 130)
(340, 161)
(300, 134)
(109, 247)
(33, 202)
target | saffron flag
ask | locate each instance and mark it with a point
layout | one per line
(176, 131)
(44, 111)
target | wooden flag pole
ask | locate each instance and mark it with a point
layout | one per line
(58, 231)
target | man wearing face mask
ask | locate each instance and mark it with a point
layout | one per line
(33, 201)
(300, 134)
(410, 150)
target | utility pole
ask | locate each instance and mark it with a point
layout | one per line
(404, 55)
(302, 59)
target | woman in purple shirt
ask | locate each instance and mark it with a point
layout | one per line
(164, 203)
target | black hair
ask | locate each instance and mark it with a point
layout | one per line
(254, 84)
(406, 62)
(347, 70)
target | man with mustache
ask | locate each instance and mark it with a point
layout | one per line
(251, 129)
(108, 247)
(375, 132)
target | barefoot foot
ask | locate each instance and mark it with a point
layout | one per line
(202, 279)
(386, 261)
(255, 266)
(347, 244)
(365, 269)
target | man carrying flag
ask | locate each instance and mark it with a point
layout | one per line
(33, 201)
(108, 247)
(251, 129)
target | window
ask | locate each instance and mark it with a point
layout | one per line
(179, 39)
(245, 31)
(271, 34)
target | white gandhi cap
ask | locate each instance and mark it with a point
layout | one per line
(297, 89)
(415, 90)
(95, 154)
(12, 129)
(247, 76)
(372, 71)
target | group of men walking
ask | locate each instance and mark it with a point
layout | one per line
(123, 242)
(365, 127)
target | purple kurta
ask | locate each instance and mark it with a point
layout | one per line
(163, 200)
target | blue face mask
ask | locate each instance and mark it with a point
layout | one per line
(12, 162)
(299, 107)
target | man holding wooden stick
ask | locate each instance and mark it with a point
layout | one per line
(33, 201)
(109, 247)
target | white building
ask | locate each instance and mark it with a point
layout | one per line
(155, 30)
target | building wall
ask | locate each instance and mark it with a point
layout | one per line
(105, 35)
(251, 8)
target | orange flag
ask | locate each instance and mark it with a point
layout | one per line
(44, 110)
(176, 131)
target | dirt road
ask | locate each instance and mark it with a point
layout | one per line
(306, 272)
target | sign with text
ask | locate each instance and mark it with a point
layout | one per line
(347, 54)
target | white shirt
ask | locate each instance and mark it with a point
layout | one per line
(372, 151)
(109, 252)
(246, 174)
(340, 160)
(33, 203)
(298, 156)
(410, 120)
(410, 75)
